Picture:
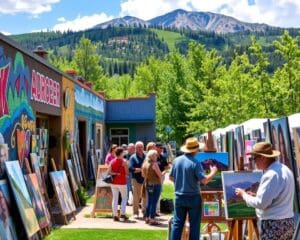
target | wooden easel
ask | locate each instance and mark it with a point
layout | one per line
(65, 217)
(236, 225)
(43, 231)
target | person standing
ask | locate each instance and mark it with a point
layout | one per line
(135, 167)
(275, 195)
(119, 169)
(130, 152)
(111, 154)
(187, 174)
(152, 176)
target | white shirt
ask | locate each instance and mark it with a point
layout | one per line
(275, 195)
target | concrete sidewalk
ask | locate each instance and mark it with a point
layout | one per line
(107, 223)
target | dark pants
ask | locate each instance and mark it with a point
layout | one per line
(184, 205)
(153, 193)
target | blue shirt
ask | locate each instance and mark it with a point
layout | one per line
(187, 174)
(136, 162)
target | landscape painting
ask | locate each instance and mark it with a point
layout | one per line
(63, 191)
(38, 200)
(220, 160)
(235, 207)
(22, 197)
(7, 226)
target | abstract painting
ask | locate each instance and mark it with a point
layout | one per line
(3, 159)
(22, 197)
(63, 191)
(211, 209)
(7, 226)
(235, 206)
(38, 201)
(220, 160)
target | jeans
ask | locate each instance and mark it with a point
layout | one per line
(184, 205)
(115, 191)
(129, 185)
(153, 193)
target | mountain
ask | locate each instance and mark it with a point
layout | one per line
(248, 186)
(195, 21)
(127, 21)
(213, 162)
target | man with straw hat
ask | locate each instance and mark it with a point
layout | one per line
(275, 195)
(187, 174)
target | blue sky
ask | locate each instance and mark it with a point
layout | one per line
(21, 16)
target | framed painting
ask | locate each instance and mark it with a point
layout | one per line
(235, 206)
(71, 174)
(7, 226)
(35, 163)
(3, 158)
(22, 197)
(38, 201)
(220, 160)
(63, 191)
(211, 209)
(101, 173)
(103, 199)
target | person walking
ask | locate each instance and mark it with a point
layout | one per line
(135, 167)
(187, 174)
(119, 169)
(152, 176)
(275, 195)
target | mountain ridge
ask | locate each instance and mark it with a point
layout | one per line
(191, 20)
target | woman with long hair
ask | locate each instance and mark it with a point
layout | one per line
(111, 154)
(152, 176)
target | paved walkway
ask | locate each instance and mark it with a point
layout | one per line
(107, 223)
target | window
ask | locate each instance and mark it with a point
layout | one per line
(119, 136)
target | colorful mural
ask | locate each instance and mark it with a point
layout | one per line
(16, 114)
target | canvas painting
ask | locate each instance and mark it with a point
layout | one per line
(98, 156)
(63, 191)
(38, 200)
(101, 173)
(281, 140)
(27, 143)
(3, 159)
(42, 157)
(43, 138)
(7, 226)
(104, 198)
(76, 162)
(22, 197)
(296, 134)
(34, 147)
(223, 143)
(267, 130)
(235, 207)
(239, 141)
(21, 145)
(220, 160)
(211, 209)
(36, 168)
(230, 149)
(71, 174)
(249, 144)
(256, 135)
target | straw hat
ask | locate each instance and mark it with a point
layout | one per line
(191, 145)
(264, 149)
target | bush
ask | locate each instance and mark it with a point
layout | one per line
(82, 195)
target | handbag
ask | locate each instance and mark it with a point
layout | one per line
(108, 178)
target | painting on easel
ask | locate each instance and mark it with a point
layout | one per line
(7, 226)
(63, 192)
(24, 203)
(235, 207)
(220, 160)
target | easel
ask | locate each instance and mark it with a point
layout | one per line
(43, 231)
(100, 184)
(212, 222)
(65, 217)
(236, 225)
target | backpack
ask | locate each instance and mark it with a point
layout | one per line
(166, 205)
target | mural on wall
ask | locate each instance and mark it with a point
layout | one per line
(15, 111)
(89, 106)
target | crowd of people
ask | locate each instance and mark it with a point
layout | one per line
(141, 172)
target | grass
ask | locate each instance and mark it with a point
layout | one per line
(98, 234)
(171, 38)
(168, 191)
(240, 210)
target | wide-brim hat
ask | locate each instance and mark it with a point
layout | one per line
(191, 145)
(264, 149)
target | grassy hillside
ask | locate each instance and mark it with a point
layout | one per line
(170, 38)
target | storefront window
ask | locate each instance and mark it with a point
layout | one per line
(119, 136)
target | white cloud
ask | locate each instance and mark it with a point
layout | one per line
(81, 23)
(5, 33)
(284, 13)
(33, 7)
